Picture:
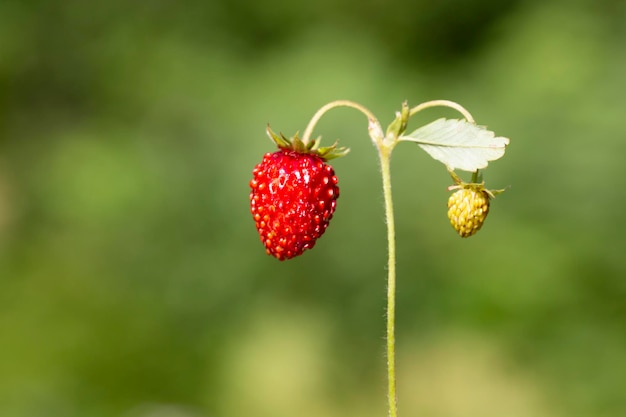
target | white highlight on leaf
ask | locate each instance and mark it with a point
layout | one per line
(459, 144)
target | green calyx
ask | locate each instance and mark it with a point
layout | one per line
(313, 147)
(477, 184)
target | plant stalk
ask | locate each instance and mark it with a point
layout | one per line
(384, 145)
(442, 103)
(306, 136)
(385, 159)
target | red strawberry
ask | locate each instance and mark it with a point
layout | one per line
(294, 195)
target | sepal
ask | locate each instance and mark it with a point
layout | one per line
(477, 184)
(298, 145)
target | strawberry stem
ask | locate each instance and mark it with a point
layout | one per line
(385, 144)
(384, 153)
(306, 136)
(443, 103)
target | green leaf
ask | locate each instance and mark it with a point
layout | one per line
(459, 144)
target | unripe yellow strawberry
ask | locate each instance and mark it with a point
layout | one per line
(468, 209)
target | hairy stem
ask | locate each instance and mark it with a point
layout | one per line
(306, 136)
(443, 103)
(384, 145)
(385, 158)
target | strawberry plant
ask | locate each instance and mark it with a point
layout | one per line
(294, 191)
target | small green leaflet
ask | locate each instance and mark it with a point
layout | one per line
(459, 144)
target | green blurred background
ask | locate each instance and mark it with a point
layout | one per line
(133, 282)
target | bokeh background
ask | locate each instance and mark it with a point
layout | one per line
(133, 282)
